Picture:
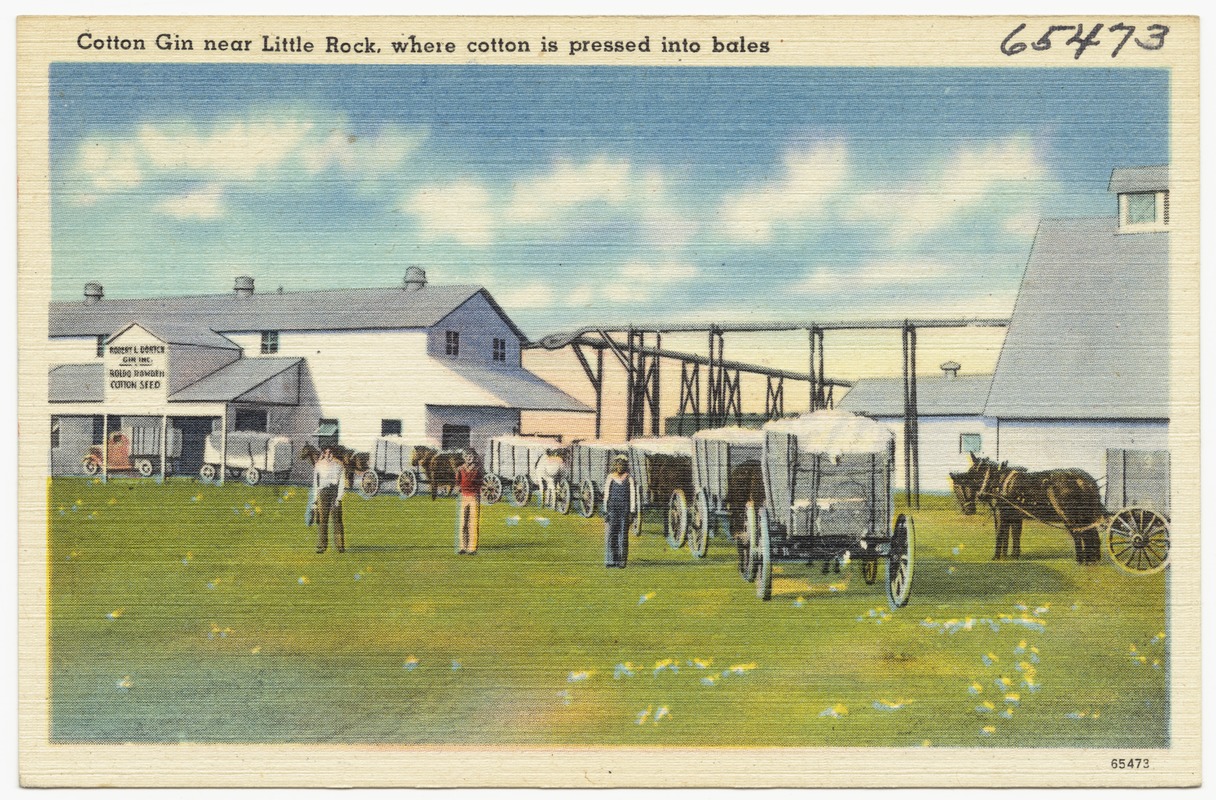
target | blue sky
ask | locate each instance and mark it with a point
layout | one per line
(584, 195)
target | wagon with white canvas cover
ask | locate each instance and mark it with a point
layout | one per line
(590, 463)
(829, 493)
(727, 474)
(512, 465)
(661, 467)
(250, 455)
(398, 459)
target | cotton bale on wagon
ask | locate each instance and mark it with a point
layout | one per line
(249, 454)
(512, 462)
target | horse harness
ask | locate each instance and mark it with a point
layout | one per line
(1006, 489)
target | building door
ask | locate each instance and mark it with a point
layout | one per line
(455, 437)
(194, 435)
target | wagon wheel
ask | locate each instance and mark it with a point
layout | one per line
(253, 476)
(869, 570)
(1139, 540)
(586, 498)
(900, 561)
(521, 490)
(207, 472)
(698, 529)
(144, 467)
(91, 465)
(744, 544)
(561, 497)
(407, 485)
(491, 490)
(369, 483)
(764, 575)
(635, 502)
(677, 519)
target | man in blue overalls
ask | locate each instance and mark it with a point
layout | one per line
(618, 508)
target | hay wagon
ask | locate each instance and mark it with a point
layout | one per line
(726, 471)
(511, 463)
(1138, 499)
(135, 448)
(396, 458)
(590, 463)
(250, 455)
(661, 467)
(829, 493)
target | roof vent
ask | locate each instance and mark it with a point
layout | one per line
(243, 286)
(951, 369)
(415, 279)
(93, 293)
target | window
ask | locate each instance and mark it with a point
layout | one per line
(390, 427)
(102, 340)
(250, 419)
(270, 342)
(1142, 208)
(970, 443)
(453, 343)
(327, 433)
(54, 433)
(500, 349)
(99, 431)
(455, 437)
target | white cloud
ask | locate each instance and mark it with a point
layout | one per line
(206, 203)
(877, 275)
(109, 165)
(811, 180)
(661, 272)
(529, 295)
(568, 185)
(460, 211)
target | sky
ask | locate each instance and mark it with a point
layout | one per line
(589, 195)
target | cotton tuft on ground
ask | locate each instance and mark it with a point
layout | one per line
(176, 615)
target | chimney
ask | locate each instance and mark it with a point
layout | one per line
(93, 293)
(951, 369)
(243, 286)
(415, 279)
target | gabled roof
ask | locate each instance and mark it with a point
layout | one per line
(1140, 179)
(936, 396)
(239, 378)
(77, 383)
(337, 309)
(179, 331)
(1090, 333)
(507, 387)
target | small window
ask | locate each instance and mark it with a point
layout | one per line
(453, 343)
(1142, 208)
(250, 419)
(99, 430)
(500, 349)
(327, 433)
(102, 340)
(455, 437)
(970, 443)
(390, 427)
(54, 433)
(270, 342)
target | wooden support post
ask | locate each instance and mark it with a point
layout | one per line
(164, 443)
(223, 444)
(105, 448)
(599, 390)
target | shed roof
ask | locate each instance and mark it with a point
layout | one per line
(391, 308)
(511, 387)
(238, 378)
(1090, 336)
(936, 396)
(1140, 179)
(77, 383)
(179, 331)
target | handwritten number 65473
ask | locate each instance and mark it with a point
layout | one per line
(1154, 41)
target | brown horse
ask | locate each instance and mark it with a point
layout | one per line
(744, 485)
(1066, 498)
(352, 462)
(667, 473)
(438, 468)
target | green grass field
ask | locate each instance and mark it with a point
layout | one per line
(187, 612)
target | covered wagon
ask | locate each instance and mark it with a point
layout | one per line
(727, 474)
(400, 459)
(590, 463)
(250, 455)
(661, 467)
(514, 462)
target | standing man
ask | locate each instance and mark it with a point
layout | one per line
(468, 475)
(618, 509)
(328, 484)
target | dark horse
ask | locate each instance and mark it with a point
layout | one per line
(352, 462)
(1067, 498)
(438, 467)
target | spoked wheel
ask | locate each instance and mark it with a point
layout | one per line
(521, 491)
(869, 570)
(586, 498)
(407, 485)
(677, 519)
(91, 465)
(635, 504)
(746, 545)
(561, 497)
(764, 546)
(207, 472)
(491, 490)
(900, 561)
(369, 483)
(1139, 540)
(698, 529)
(253, 476)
